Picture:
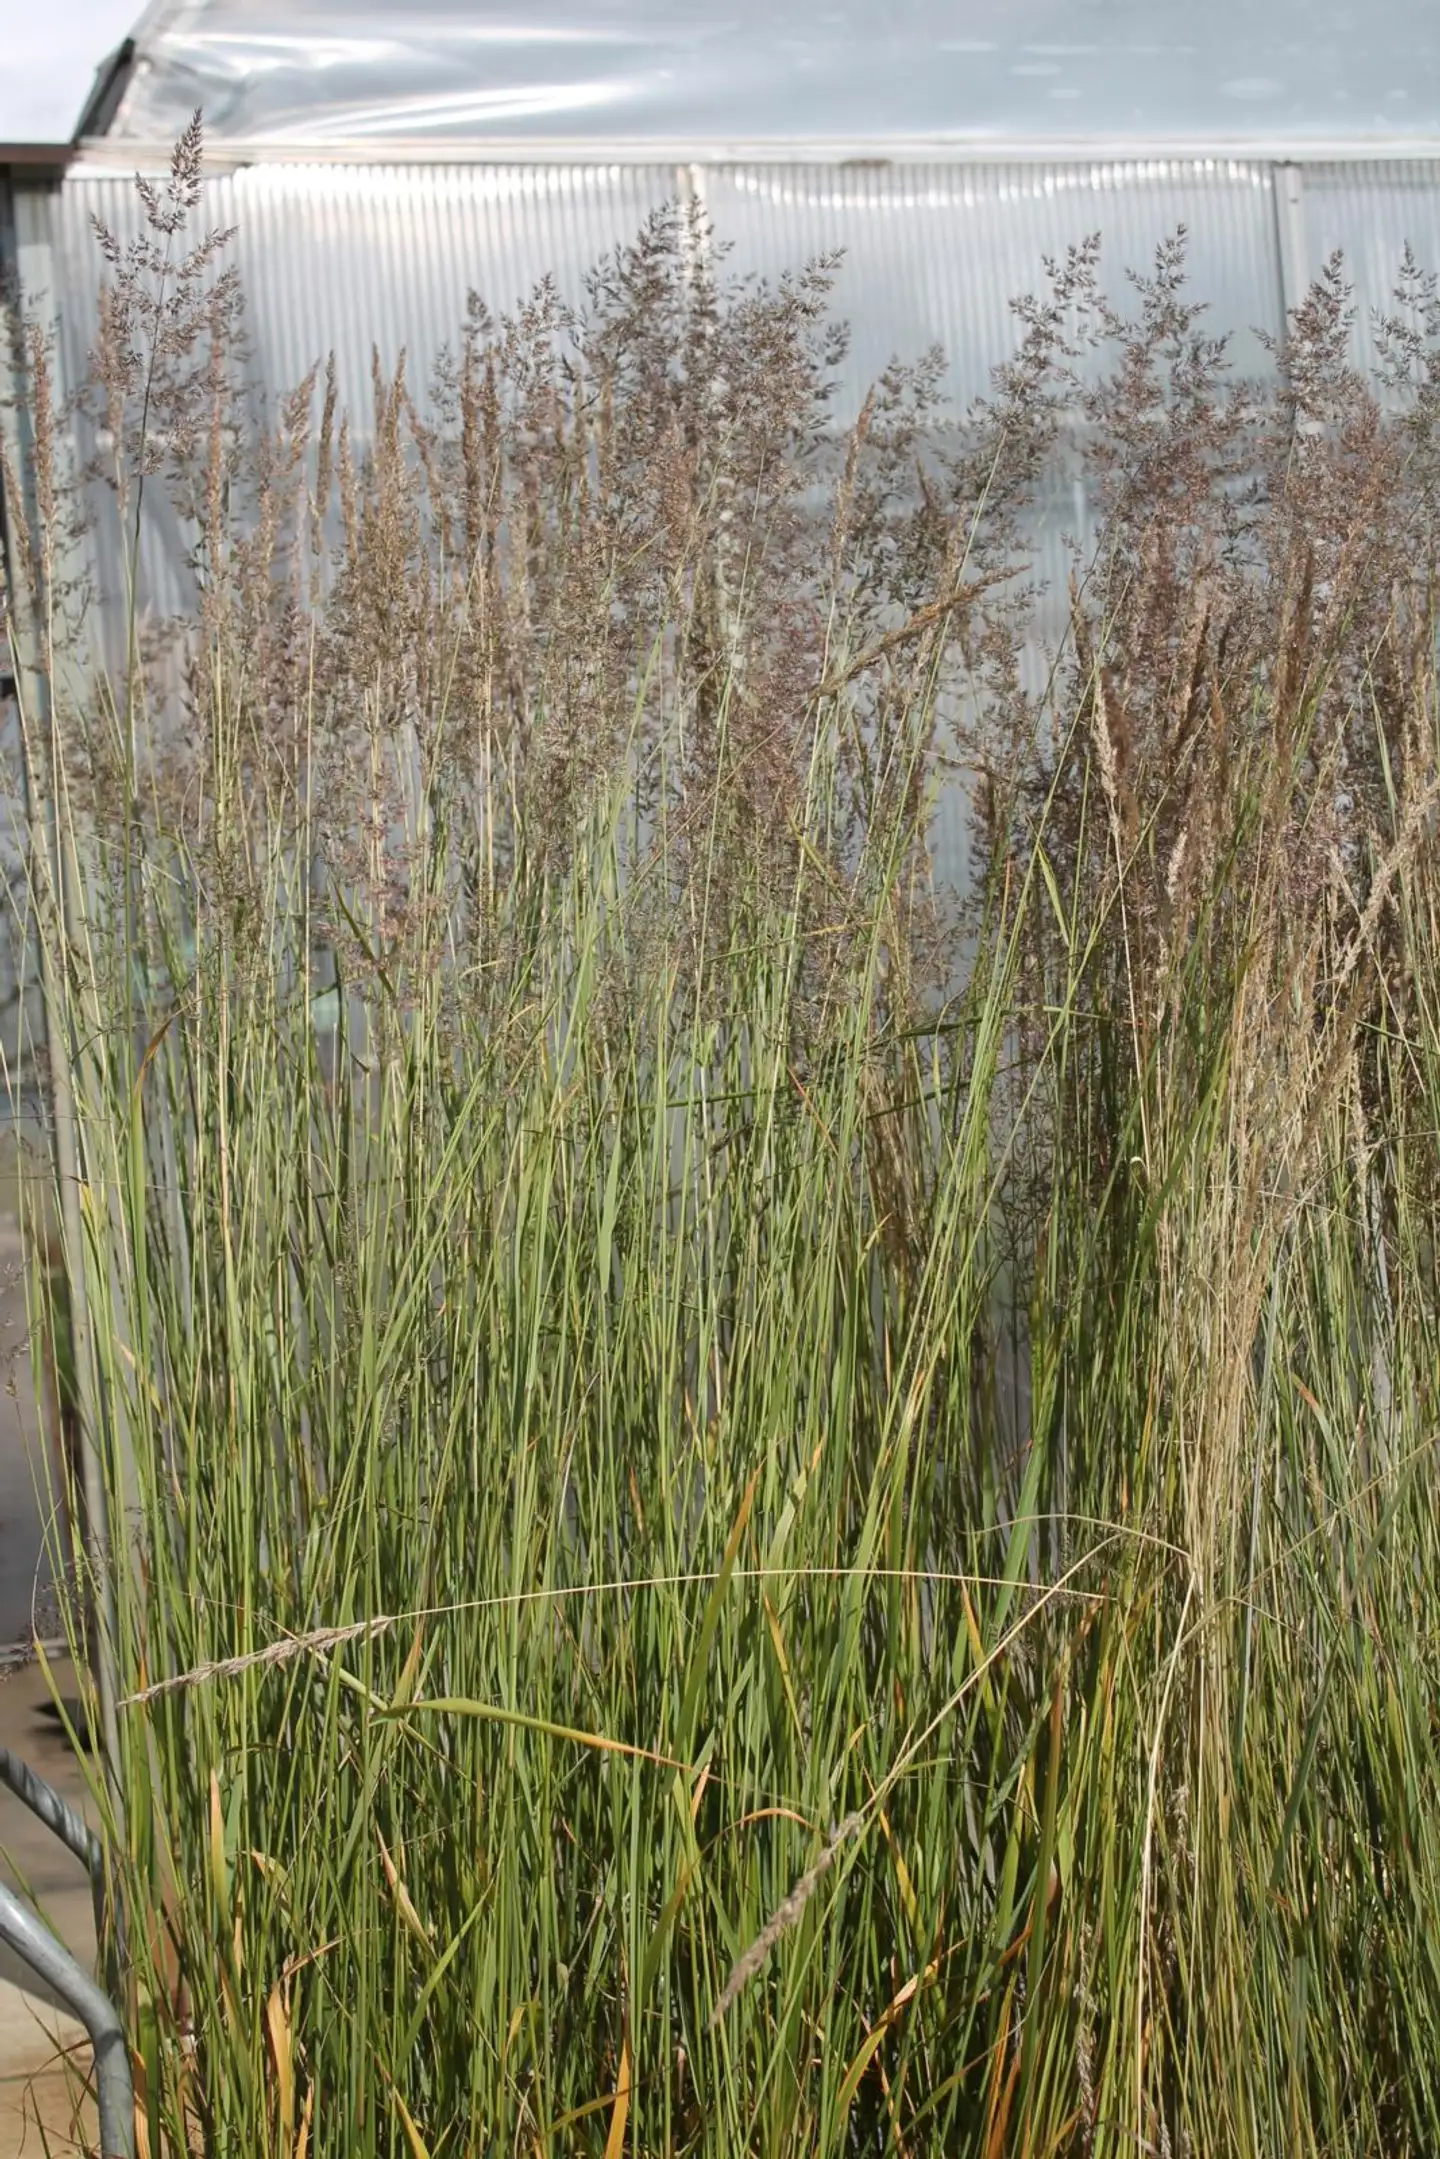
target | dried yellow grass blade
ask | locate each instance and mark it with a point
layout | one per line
(902, 1873)
(277, 2026)
(890, 2015)
(405, 1685)
(413, 2138)
(219, 1873)
(615, 2141)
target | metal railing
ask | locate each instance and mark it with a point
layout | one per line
(52, 1963)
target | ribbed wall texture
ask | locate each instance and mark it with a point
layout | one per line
(345, 257)
(936, 253)
(340, 257)
(1371, 213)
(348, 259)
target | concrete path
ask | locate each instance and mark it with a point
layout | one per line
(35, 2037)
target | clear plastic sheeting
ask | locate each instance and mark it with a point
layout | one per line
(344, 259)
(935, 254)
(355, 258)
(984, 73)
(1371, 214)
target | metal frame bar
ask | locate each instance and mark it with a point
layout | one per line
(56, 1812)
(61, 1819)
(1288, 181)
(53, 1964)
(102, 153)
(33, 1942)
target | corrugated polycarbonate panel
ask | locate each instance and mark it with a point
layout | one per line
(936, 253)
(987, 73)
(1371, 213)
(345, 259)
(342, 258)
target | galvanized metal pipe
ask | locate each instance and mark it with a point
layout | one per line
(59, 1817)
(36, 1946)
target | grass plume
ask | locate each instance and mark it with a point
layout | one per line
(620, 1334)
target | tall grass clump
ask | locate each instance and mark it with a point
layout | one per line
(739, 1517)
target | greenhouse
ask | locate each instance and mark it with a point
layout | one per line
(378, 169)
(378, 166)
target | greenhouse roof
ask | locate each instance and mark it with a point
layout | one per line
(658, 76)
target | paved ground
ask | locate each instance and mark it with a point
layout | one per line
(34, 2035)
(34, 2088)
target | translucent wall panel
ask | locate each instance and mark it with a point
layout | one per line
(345, 258)
(1371, 213)
(337, 257)
(935, 253)
(342, 257)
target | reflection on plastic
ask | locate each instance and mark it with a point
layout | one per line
(984, 72)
